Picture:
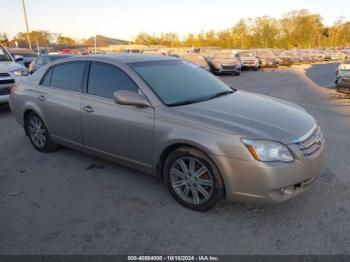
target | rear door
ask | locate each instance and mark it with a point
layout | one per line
(60, 98)
(121, 131)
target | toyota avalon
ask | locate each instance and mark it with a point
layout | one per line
(204, 140)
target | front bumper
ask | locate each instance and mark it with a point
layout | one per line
(343, 82)
(285, 62)
(223, 70)
(246, 64)
(264, 63)
(4, 98)
(258, 182)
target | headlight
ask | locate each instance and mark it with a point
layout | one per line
(20, 72)
(268, 151)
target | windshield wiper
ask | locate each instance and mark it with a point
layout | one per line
(187, 102)
(196, 100)
(223, 93)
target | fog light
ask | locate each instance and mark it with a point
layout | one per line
(286, 190)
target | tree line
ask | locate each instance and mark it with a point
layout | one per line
(296, 29)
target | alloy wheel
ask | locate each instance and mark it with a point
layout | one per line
(191, 180)
(37, 132)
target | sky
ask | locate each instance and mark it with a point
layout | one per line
(125, 19)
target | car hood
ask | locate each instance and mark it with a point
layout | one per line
(224, 60)
(9, 66)
(248, 58)
(251, 116)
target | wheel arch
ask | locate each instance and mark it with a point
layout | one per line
(166, 151)
(31, 108)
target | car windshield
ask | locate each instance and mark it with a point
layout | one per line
(266, 53)
(4, 56)
(245, 54)
(179, 82)
(222, 55)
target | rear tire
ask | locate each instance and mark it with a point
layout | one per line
(193, 179)
(38, 134)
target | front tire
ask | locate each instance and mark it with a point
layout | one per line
(193, 179)
(38, 134)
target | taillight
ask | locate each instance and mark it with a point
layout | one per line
(13, 89)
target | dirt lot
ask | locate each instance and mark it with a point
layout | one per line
(70, 203)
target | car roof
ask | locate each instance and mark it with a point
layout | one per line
(123, 58)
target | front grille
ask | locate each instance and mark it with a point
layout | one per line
(4, 74)
(5, 91)
(7, 81)
(247, 62)
(312, 144)
(228, 66)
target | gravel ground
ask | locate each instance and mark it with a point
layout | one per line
(70, 203)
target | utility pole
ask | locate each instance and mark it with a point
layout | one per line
(26, 20)
(95, 44)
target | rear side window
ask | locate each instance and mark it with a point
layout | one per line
(105, 79)
(68, 76)
(46, 79)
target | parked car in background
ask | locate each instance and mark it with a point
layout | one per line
(196, 59)
(27, 54)
(43, 60)
(267, 58)
(330, 55)
(342, 70)
(249, 60)
(154, 52)
(343, 83)
(205, 140)
(305, 57)
(295, 57)
(10, 68)
(283, 58)
(224, 63)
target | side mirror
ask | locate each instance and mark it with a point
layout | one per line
(18, 58)
(125, 97)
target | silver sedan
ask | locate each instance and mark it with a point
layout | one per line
(204, 140)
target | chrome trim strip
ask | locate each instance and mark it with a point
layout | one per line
(306, 136)
(306, 147)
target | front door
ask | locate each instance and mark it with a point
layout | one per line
(124, 132)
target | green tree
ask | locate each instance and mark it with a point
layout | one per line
(43, 38)
(66, 41)
(4, 40)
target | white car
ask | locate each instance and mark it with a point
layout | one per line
(10, 68)
(342, 70)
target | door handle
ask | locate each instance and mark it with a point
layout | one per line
(88, 109)
(42, 98)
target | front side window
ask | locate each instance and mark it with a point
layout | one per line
(68, 76)
(105, 79)
(179, 82)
